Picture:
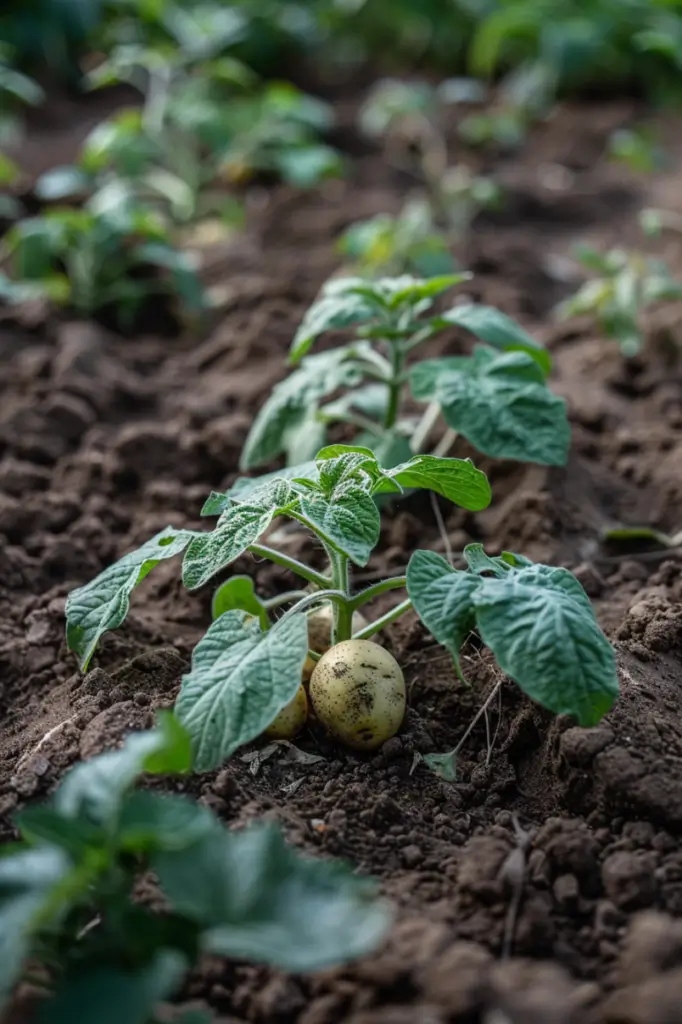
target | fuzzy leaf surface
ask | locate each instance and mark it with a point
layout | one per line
(103, 603)
(240, 680)
(442, 598)
(240, 525)
(540, 626)
(500, 403)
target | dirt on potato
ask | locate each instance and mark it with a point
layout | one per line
(544, 886)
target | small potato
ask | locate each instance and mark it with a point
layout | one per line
(358, 693)
(291, 718)
(320, 634)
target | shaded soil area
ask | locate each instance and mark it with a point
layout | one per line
(103, 441)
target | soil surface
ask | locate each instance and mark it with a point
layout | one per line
(545, 885)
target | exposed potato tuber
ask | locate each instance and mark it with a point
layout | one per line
(320, 634)
(358, 693)
(291, 718)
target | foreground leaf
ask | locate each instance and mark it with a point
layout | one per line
(260, 900)
(543, 634)
(240, 680)
(28, 880)
(500, 403)
(104, 603)
(93, 790)
(111, 995)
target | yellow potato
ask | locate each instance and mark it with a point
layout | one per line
(358, 693)
(320, 634)
(291, 718)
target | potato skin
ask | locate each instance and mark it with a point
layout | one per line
(291, 718)
(320, 634)
(357, 691)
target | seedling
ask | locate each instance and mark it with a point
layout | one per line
(409, 243)
(497, 398)
(111, 256)
(626, 285)
(537, 620)
(637, 149)
(69, 924)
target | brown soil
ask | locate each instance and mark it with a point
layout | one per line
(103, 441)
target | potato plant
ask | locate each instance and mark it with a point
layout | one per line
(110, 256)
(405, 117)
(625, 285)
(69, 924)
(536, 619)
(497, 398)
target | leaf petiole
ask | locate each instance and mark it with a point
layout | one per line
(293, 564)
(385, 620)
(382, 587)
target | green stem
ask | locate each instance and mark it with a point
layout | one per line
(342, 628)
(385, 620)
(382, 587)
(355, 419)
(298, 568)
(394, 386)
(289, 595)
(320, 596)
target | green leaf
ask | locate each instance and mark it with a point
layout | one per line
(414, 291)
(240, 680)
(61, 183)
(497, 329)
(28, 880)
(540, 626)
(103, 603)
(94, 789)
(458, 480)
(110, 995)
(261, 901)
(338, 306)
(442, 598)
(238, 593)
(151, 822)
(294, 399)
(479, 562)
(185, 280)
(240, 525)
(344, 511)
(245, 486)
(305, 166)
(500, 403)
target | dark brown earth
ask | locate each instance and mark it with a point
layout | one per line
(103, 441)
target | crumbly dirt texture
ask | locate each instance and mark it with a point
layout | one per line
(103, 441)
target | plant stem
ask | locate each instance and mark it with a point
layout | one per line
(445, 444)
(421, 432)
(289, 595)
(382, 587)
(395, 385)
(343, 613)
(298, 568)
(385, 620)
(445, 765)
(320, 596)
